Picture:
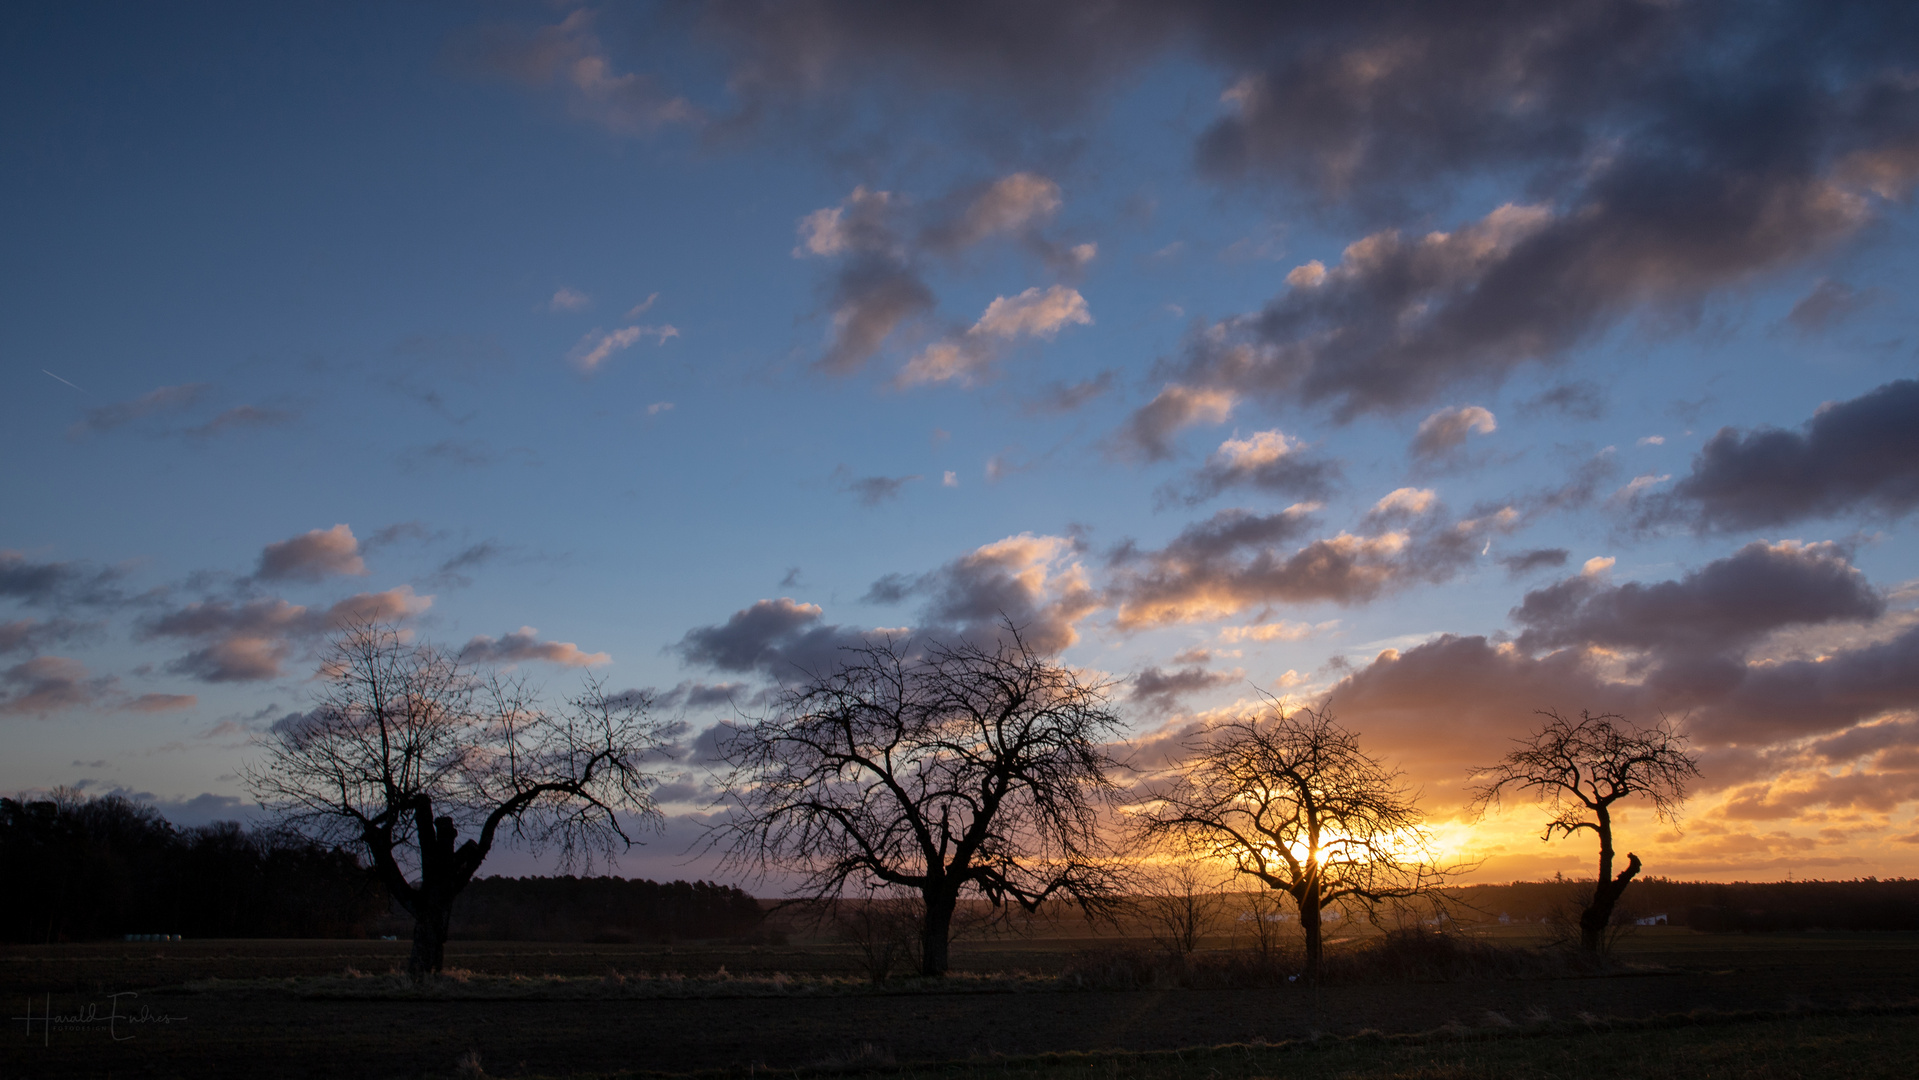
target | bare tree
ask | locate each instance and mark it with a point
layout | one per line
(953, 769)
(1292, 801)
(1180, 903)
(406, 747)
(1579, 770)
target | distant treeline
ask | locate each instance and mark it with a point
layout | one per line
(1860, 904)
(76, 869)
(73, 869)
(603, 909)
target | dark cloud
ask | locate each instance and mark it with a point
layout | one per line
(160, 400)
(1672, 151)
(46, 684)
(1858, 455)
(452, 572)
(1032, 582)
(525, 644)
(1527, 561)
(1721, 607)
(1060, 397)
(393, 534)
(246, 642)
(881, 243)
(696, 695)
(1764, 703)
(57, 583)
(874, 490)
(1266, 461)
(33, 635)
(153, 703)
(312, 556)
(888, 589)
(871, 297)
(782, 638)
(241, 417)
(570, 59)
(1162, 690)
(1829, 303)
(1149, 433)
(1579, 399)
(1051, 60)
(1238, 560)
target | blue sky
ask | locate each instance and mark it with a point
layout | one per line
(1224, 352)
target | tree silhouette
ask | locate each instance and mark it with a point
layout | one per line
(1579, 770)
(407, 746)
(954, 769)
(1291, 800)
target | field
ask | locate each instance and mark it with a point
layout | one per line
(1680, 1004)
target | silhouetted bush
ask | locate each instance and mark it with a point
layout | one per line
(608, 910)
(77, 869)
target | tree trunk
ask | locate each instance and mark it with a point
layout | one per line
(1309, 922)
(1598, 914)
(936, 936)
(431, 921)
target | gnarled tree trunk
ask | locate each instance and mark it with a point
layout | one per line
(1598, 914)
(1310, 923)
(937, 934)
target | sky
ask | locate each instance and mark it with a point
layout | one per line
(1435, 362)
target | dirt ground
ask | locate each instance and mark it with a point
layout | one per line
(165, 1029)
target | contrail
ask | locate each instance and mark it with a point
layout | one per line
(57, 378)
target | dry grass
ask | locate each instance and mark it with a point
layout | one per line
(1404, 956)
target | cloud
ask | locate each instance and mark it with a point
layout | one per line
(452, 572)
(567, 298)
(1161, 691)
(1264, 461)
(1276, 631)
(1403, 503)
(1059, 397)
(693, 694)
(1857, 455)
(571, 58)
(239, 417)
(1011, 205)
(32, 635)
(780, 637)
(249, 642)
(969, 359)
(874, 490)
(1445, 431)
(1694, 201)
(159, 400)
(1579, 399)
(1720, 607)
(1238, 560)
(1829, 303)
(1526, 562)
(597, 346)
(46, 684)
(879, 285)
(153, 703)
(525, 644)
(1150, 430)
(312, 556)
(1033, 313)
(57, 583)
(1035, 582)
